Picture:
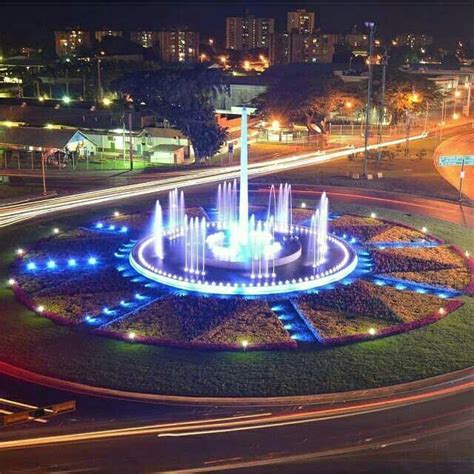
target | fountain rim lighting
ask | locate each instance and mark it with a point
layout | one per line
(270, 286)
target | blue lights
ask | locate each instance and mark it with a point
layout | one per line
(399, 286)
(111, 227)
(71, 262)
(124, 229)
(92, 261)
(99, 225)
(31, 266)
(51, 264)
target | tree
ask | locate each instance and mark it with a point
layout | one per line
(306, 96)
(450, 61)
(407, 93)
(183, 97)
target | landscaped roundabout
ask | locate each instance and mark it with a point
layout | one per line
(173, 299)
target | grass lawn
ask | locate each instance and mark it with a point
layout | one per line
(9, 192)
(38, 344)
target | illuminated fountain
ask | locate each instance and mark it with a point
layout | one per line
(258, 254)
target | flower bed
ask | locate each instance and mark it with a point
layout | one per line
(93, 280)
(363, 228)
(363, 299)
(469, 261)
(76, 243)
(73, 309)
(301, 216)
(450, 307)
(455, 278)
(331, 323)
(397, 233)
(416, 259)
(205, 322)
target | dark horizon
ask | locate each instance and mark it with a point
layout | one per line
(208, 18)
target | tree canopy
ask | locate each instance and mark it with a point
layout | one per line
(407, 93)
(307, 97)
(183, 97)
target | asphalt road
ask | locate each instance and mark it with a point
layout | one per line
(463, 145)
(425, 437)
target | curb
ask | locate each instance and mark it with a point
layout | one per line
(451, 378)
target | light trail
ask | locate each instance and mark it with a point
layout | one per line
(16, 213)
(240, 423)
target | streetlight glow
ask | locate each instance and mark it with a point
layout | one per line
(275, 125)
(66, 99)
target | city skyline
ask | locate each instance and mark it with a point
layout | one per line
(210, 18)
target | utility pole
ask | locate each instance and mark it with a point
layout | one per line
(43, 170)
(461, 179)
(131, 140)
(99, 82)
(123, 139)
(382, 102)
(371, 26)
(468, 100)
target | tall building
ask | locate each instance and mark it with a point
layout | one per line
(249, 32)
(296, 48)
(301, 22)
(68, 42)
(413, 40)
(146, 39)
(178, 45)
(100, 35)
(357, 41)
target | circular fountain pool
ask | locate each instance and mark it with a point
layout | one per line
(292, 268)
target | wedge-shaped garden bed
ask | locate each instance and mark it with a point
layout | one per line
(455, 278)
(364, 299)
(199, 321)
(398, 233)
(74, 309)
(363, 228)
(417, 259)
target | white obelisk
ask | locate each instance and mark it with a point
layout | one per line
(244, 183)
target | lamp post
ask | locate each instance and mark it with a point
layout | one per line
(99, 82)
(43, 171)
(468, 98)
(461, 179)
(371, 26)
(382, 102)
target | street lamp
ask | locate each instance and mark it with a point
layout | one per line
(371, 26)
(66, 99)
(106, 101)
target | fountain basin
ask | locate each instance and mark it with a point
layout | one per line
(292, 273)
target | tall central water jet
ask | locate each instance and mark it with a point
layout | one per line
(244, 183)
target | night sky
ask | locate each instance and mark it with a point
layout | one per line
(37, 20)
